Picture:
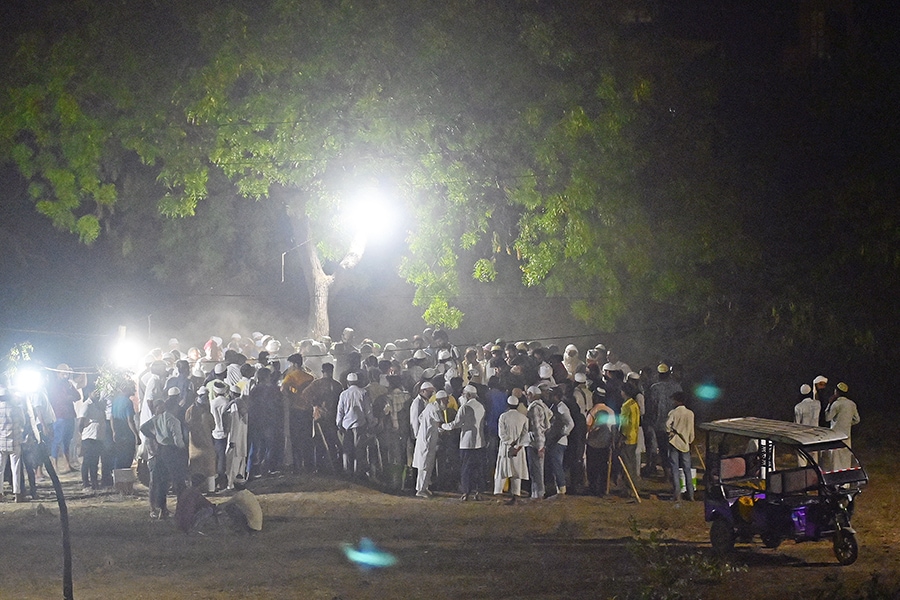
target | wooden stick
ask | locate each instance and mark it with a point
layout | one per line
(609, 468)
(698, 448)
(628, 475)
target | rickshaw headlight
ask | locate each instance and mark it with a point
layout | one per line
(844, 502)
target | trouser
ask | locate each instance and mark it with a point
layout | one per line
(630, 458)
(535, 471)
(471, 469)
(677, 461)
(107, 458)
(220, 446)
(555, 455)
(515, 485)
(63, 430)
(597, 469)
(123, 451)
(165, 469)
(90, 461)
(423, 476)
(355, 450)
(573, 461)
(14, 457)
(653, 456)
(302, 439)
(662, 443)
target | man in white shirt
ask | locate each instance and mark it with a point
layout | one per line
(806, 412)
(680, 427)
(470, 421)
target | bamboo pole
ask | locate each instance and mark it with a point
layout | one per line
(628, 475)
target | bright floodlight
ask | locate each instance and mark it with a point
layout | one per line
(370, 214)
(126, 354)
(28, 380)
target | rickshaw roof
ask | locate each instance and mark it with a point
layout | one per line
(783, 432)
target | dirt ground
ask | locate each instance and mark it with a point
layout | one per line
(575, 547)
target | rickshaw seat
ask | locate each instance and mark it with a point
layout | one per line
(793, 481)
(732, 468)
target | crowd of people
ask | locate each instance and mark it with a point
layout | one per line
(510, 418)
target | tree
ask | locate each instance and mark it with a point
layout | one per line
(509, 129)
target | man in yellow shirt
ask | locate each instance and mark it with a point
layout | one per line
(629, 424)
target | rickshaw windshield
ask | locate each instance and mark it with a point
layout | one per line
(837, 462)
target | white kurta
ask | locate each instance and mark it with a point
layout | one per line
(513, 430)
(236, 454)
(427, 440)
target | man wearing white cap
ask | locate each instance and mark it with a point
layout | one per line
(842, 413)
(419, 402)
(427, 442)
(511, 463)
(354, 417)
(470, 421)
(539, 416)
(806, 412)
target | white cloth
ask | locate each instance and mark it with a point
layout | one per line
(513, 430)
(470, 421)
(583, 398)
(843, 415)
(429, 430)
(568, 423)
(415, 411)
(680, 426)
(538, 423)
(354, 408)
(218, 406)
(236, 453)
(806, 412)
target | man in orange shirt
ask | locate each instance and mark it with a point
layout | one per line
(298, 422)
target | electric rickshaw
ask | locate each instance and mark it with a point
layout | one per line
(780, 481)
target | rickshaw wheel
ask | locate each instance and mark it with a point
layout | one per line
(721, 535)
(845, 547)
(771, 540)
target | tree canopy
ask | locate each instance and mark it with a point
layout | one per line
(591, 154)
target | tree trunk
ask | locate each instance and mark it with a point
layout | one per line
(318, 288)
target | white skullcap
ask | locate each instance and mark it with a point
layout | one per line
(220, 368)
(390, 346)
(632, 375)
(512, 401)
(805, 389)
(351, 376)
(580, 377)
(444, 355)
(545, 372)
(440, 394)
(419, 355)
(820, 379)
(470, 389)
(609, 367)
(428, 373)
(174, 391)
(426, 385)
(534, 390)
